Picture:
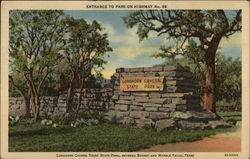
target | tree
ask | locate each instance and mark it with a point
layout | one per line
(204, 27)
(19, 88)
(36, 40)
(228, 83)
(228, 75)
(83, 55)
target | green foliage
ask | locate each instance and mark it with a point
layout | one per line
(231, 103)
(68, 118)
(100, 138)
(194, 32)
(50, 52)
(228, 79)
(183, 25)
(84, 122)
(65, 119)
(85, 51)
(231, 116)
(36, 38)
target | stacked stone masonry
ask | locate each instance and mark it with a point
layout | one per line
(93, 100)
(174, 107)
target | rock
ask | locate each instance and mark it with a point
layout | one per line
(194, 115)
(17, 118)
(154, 95)
(180, 115)
(137, 104)
(92, 122)
(126, 97)
(181, 108)
(165, 124)
(202, 115)
(179, 101)
(151, 109)
(54, 125)
(153, 69)
(138, 114)
(238, 124)
(136, 108)
(171, 83)
(218, 124)
(160, 100)
(115, 97)
(158, 115)
(128, 121)
(169, 105)
(166, 109)
(136, 69)
(172, 95)
(187, 125)
(121, 107)
(123, 102)
(140, 94)
(172, 89)
(144, 123)
(49, 122)
(151, 105)
(141, 99)
(44, 121)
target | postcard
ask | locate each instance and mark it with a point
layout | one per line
(123, 79)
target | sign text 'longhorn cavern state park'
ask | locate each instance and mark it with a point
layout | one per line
(141, 83)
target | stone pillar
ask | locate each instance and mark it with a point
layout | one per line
(174, 106)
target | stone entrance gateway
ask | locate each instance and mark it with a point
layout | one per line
(158, 97)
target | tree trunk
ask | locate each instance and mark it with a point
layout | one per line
(35, 106)
(25, 97)
(79, 102)
(69, 99)
(80, 96)
(27, 107)
(210, 90)
(69, 96)
(209, 95)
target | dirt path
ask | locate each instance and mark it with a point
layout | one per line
(226, 142)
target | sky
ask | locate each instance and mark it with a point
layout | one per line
(128, 51)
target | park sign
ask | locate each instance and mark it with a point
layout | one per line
(141, 83)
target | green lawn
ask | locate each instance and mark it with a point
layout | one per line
(32, 137)
(230, 116)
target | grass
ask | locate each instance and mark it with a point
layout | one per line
(34, 137)
(221, 103)
(230, 116)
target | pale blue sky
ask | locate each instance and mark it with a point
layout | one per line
(127, 51)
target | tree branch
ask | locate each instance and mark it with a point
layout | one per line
(17, 87)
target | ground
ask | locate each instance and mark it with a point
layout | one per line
(226, 142)
(29, 136)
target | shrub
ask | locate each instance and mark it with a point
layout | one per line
(13, 120)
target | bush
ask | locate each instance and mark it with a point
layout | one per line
(82, 118)
(13, 120)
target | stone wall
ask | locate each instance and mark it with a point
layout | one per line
(93, 100)
(16, 106)
(174, 107)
